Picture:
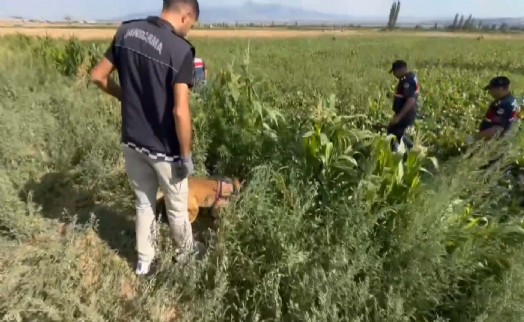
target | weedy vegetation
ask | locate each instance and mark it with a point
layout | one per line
(331, 226)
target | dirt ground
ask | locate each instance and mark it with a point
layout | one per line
(91, 33)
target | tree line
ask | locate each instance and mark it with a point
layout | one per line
(460, 22)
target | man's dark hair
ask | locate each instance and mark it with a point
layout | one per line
(398, 64)
(171, 4)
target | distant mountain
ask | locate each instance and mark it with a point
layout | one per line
(251, 12)
(264, 13)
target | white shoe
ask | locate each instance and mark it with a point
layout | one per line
(401, 149)
(142, 268)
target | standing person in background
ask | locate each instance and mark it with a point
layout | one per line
(404, 104)
(155, 68)
(200, 72)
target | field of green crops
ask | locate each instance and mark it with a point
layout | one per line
(331, 226)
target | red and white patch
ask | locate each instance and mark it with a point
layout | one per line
(198, 63)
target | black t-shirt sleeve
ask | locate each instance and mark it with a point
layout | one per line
(186, 71)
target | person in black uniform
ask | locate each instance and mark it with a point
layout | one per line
(502, 112)
(404, 103)
(501, 115)
(154, 63)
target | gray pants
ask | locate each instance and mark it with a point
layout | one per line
(146, 176)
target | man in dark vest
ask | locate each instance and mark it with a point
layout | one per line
(503, 112)
(500, 118)
(404, 103)
(155, 67)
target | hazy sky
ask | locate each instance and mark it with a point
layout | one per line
(93, 9)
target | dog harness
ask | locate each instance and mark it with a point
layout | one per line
(225, 188)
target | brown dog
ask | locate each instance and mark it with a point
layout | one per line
(213, 193)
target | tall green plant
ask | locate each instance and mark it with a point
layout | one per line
(242, 125)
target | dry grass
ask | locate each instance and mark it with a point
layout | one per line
(94, 34)
(93, 263)
(65, 31)
(84, 34)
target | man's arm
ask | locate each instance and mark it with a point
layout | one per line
(181, 110)
(408, 106)
(101, 73)
(501, 121)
